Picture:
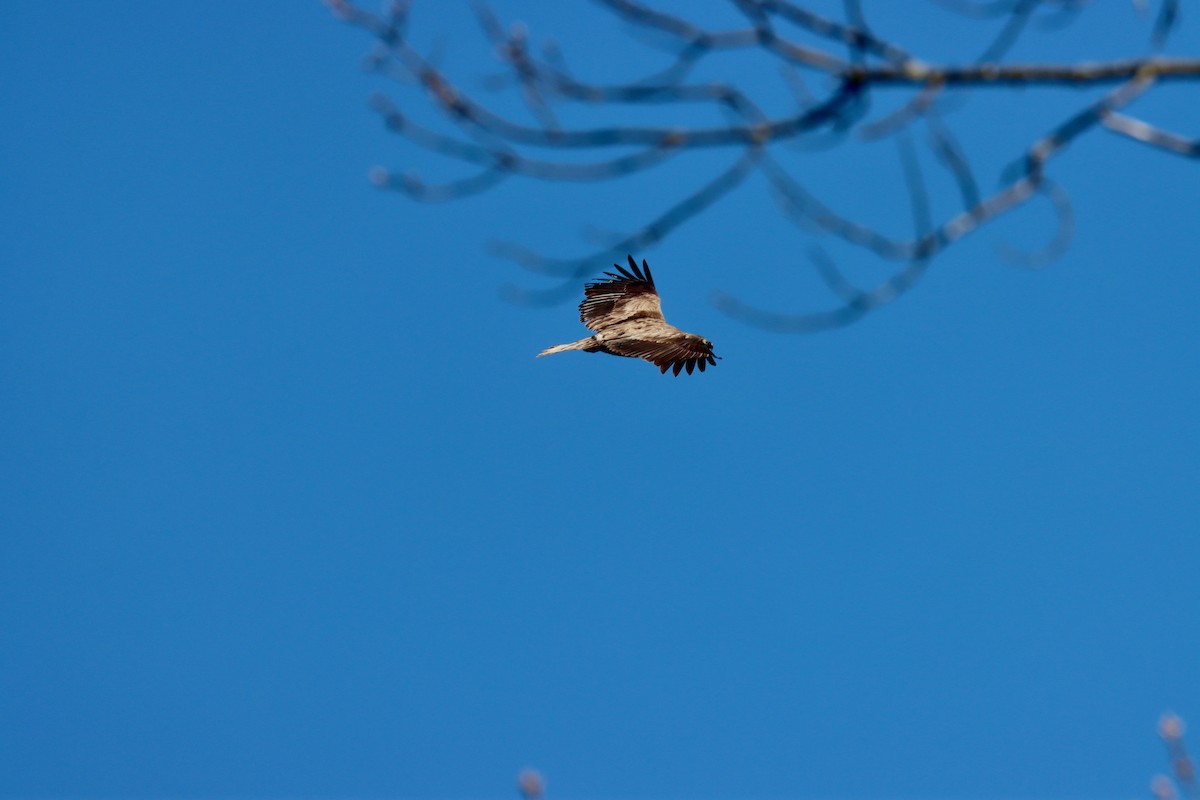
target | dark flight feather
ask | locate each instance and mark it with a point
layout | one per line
(625, 313)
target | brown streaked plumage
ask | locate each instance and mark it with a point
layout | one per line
(625, 312)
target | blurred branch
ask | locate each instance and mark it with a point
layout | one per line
(1168, 15)
(530, 784)
(1182, 781)
(855, 63)
(1148, 134)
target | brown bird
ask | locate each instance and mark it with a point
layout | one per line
(625, 312)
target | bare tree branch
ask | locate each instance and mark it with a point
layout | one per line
(1148, 134)
(1183, 767)
(856, 65)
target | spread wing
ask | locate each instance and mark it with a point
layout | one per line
(626, 294)
(626, 313)
(667, 348)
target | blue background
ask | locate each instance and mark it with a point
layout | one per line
(289, 507)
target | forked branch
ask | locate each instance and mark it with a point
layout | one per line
(853, 62)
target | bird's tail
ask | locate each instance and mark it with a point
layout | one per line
(583, 344)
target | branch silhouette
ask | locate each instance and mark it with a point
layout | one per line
(1181, 783)
(853, 62)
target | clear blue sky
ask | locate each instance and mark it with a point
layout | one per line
(290, 509)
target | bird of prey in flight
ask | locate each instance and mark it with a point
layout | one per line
(626, 314)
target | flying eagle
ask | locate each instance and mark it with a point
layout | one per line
(625, 312)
